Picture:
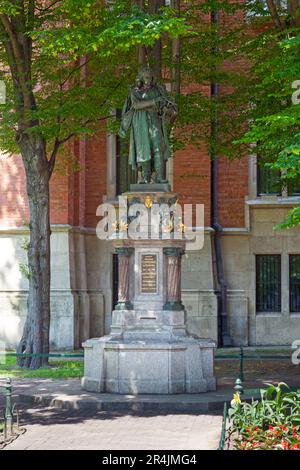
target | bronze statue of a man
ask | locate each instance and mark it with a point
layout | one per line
(147, 112)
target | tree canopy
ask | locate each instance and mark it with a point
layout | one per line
(65, 38)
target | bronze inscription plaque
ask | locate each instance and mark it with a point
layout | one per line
(149, 274)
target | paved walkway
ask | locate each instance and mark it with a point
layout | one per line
(50, 429)
(58, 414)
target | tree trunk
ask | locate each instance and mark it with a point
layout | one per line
(154, 52)
(35, 338)
(274, 15)
(141, 49)
(176, 54)
(292, 6)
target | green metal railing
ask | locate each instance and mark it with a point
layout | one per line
(6, 389)
(242, 356)
(12, 354)
(223, 429)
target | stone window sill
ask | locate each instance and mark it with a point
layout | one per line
(269, 314)
(273, 201)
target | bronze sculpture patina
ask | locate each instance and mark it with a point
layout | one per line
(147, 112)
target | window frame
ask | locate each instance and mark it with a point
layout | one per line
(291, 310)
(259, 178)
(257, 288)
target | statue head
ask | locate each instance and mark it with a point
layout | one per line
(145, 77)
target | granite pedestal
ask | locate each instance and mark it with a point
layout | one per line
(149, 349)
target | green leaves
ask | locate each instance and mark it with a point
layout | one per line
(274, 116)
(8, 7)
(96, 27)
(278, 405)
(84, 58)
(292, 219)
(269, 424)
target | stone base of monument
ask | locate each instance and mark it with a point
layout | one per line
(136, 367)
(149, 349)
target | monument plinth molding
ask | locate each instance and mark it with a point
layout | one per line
(149, 349)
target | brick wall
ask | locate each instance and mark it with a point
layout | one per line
(75, 197)
(232, 189)
(13, 200)
(95, 175)
(192, 178)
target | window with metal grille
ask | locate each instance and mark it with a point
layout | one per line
(294, 283)
(268, 283)
(268, 180)
(293, 187)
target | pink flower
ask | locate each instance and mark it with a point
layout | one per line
(284, 444)
(295, 447)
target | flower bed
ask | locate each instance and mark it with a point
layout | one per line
(272, 423)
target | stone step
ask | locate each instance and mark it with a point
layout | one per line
(68, 394)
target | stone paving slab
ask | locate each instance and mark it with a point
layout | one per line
(57, 429)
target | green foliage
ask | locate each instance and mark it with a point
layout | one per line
(278, 406)
(56, 370)
(274, 118)
(291, 220)
(254, 422)
(84, 58)
(8, 7)
(91, 27)
(280, 437)
(24, 269)
(204, 59)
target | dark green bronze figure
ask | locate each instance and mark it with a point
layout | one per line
(147, 112)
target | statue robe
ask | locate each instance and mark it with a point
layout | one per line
(148, 130)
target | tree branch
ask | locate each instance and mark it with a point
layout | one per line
(75, 69)
(58, 143)
(13, 70)
(18, 61)
(48, 7)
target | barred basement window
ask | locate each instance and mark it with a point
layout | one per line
(268, 181)
(294, 283)
(268, 283)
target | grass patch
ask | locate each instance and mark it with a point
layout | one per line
(57, 369)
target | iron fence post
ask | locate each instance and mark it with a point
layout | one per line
(223, 428)
(241, 365)
(8, 406)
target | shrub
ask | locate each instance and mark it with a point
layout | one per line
(270, 423)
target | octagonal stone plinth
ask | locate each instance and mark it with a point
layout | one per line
(135, 367)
